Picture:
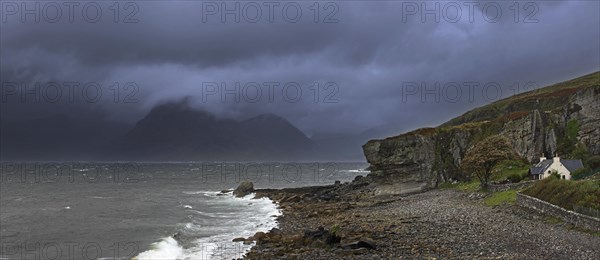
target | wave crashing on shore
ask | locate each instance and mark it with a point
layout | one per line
(209, 234)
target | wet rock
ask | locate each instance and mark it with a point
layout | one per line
(326, 197)
(315, 234)
(361, 243)
(275, 231)
(244, 189)
(321, 237)
(259, 236)
(360, 251)
(238, 239)
(292, 199)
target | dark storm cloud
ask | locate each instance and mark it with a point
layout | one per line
(368, 53)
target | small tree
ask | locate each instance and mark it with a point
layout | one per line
(485, 155)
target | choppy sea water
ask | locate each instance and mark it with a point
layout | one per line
(58, 210)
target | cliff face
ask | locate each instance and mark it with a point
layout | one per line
(536, 122)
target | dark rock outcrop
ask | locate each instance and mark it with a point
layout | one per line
(320, 237)
(535, 122)
(244, 189)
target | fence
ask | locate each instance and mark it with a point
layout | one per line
(571, 217)
(587, 211)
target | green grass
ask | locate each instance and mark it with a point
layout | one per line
(566, 193)
(510, 168)
(447, 185)
(499, 198)
(553, 220)
(469, 186)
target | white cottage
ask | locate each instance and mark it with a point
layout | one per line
(562, 167)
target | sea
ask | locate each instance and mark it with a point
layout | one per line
(140, 210)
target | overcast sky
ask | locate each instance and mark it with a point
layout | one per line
(362, 57)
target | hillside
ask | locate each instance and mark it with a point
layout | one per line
(542, 99)
(563, 118)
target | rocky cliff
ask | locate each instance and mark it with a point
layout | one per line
(561, 118)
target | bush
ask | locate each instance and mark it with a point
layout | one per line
(565, 193)
(579, 172)
(511, 171)
(593, 162)
(572, 129)
(515, 177)
(525, 175)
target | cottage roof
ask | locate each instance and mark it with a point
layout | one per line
(542, 166)
(572, 165)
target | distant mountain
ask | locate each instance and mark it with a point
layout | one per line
(175, 131)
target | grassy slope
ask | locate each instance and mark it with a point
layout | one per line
(547, 98)
(566, 193)
(484, 117)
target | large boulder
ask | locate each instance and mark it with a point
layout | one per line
(244, 189)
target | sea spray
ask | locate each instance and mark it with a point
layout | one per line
(241, 217)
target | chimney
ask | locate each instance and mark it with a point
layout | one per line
(542, 158)
(556, 158)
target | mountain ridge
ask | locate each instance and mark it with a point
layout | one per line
(176, 131)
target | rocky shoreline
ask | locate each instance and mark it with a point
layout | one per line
(347, 221)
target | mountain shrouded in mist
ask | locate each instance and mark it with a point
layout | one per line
(172, 131)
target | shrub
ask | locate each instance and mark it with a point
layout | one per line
(565, 193)
(593, 162)
(577, 173)
(335, 229)
(515, 177)
(525, 175)
(572, 129)
(554, 174)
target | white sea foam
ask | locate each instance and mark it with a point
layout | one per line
(358, 171)
(205, 193)
(167, 248)
(243, 217)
